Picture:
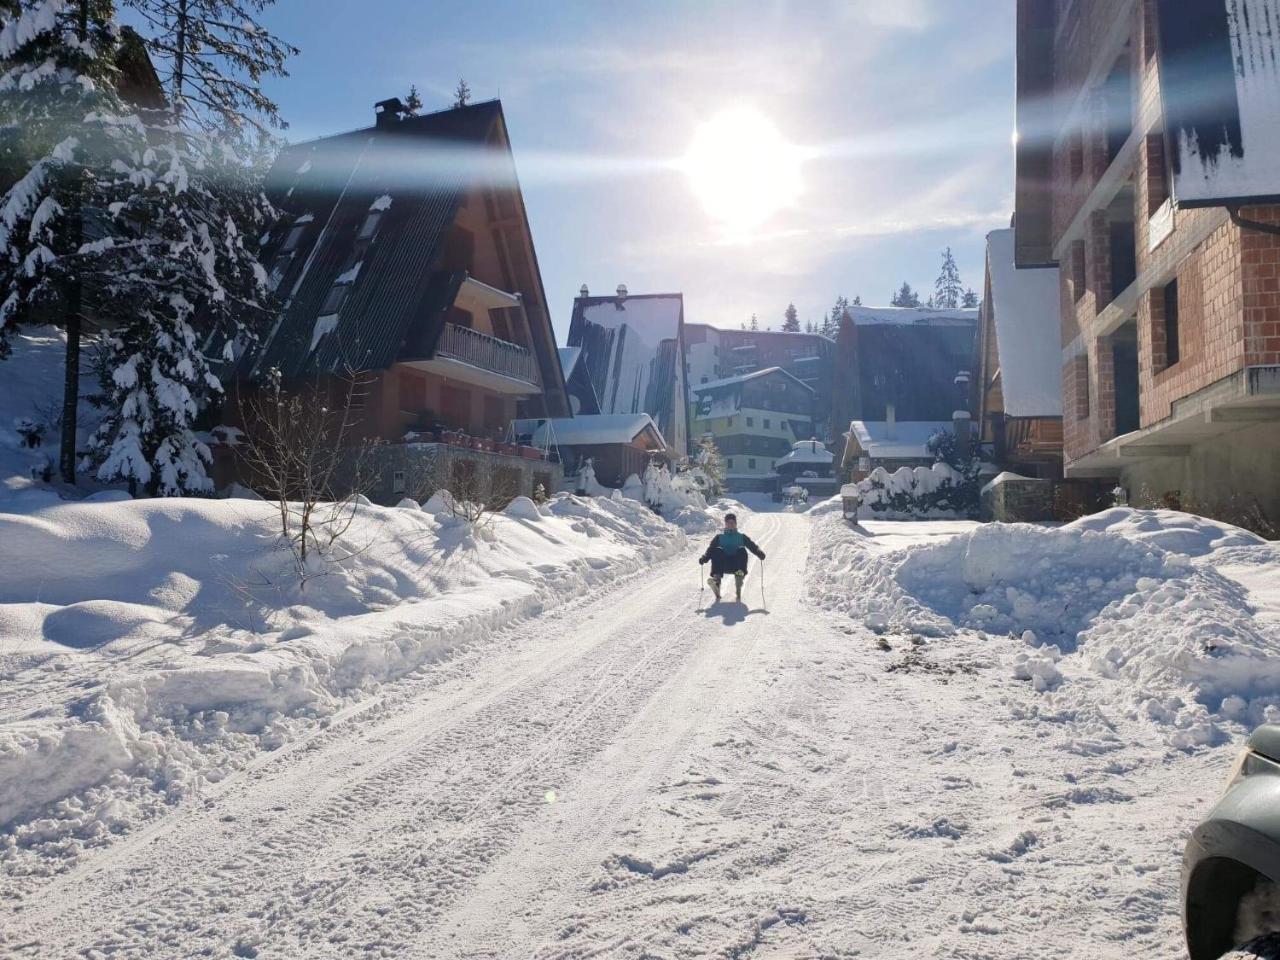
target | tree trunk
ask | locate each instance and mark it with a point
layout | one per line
(180, 60)
(71, 385)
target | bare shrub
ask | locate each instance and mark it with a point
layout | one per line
(478, 487)
(302, 453)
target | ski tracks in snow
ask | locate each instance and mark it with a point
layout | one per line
(635, 776)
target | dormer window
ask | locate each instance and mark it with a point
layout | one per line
(293, 237)
(336, 297)
(370, 225)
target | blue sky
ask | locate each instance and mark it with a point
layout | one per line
(904, 106)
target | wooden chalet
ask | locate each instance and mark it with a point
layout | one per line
(404, 254)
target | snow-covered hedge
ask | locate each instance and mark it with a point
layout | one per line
(937, 492)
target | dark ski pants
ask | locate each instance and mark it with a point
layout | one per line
(722, 563)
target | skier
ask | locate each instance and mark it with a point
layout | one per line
(728, 554)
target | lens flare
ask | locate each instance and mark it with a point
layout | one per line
(742, 169)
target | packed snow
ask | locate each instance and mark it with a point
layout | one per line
(155, 644)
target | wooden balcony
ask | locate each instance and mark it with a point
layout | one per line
(477, 358)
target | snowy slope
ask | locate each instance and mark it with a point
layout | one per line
(159, 643)
(640, 774)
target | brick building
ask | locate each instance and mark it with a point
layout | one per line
(1170, 312)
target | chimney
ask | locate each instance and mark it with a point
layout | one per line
(890, 422)
(387, 113)
(583, 291)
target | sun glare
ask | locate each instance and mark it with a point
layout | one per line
(742, 169)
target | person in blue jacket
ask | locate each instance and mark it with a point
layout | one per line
(728, 554)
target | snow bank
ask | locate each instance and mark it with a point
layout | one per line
(159, 643)
(1127, 595)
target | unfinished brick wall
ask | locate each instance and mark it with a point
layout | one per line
(1228, 284)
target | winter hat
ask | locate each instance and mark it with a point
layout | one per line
(731, 516)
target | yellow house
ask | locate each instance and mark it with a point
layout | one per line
(754, 419)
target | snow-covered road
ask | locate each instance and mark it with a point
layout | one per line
(632, 775)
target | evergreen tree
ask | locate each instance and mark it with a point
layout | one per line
(753, 323)
(791, 319)
(844, 384)
(412, 101)
(212, 56)
(931, 304)
(905, 297)
(970, 299)
(857, 301)
(711, 464)
(64, 129)
(948, 288)
(461, 94)
(831, 322)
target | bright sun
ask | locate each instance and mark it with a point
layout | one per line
(742, 169)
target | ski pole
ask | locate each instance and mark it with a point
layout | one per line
(702, 585)
(763, 602)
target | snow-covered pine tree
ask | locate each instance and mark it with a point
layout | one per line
(947, 289)
(970, 299)
(857, 301)
(211, 56)
(190, 277)
(753, 323)
(845, 393)
(461, 94)
(905, 297)
(791, 319)
(711, 463)
(413, 100)
(64, 128)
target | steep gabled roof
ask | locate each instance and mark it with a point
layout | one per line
(712, 385)
(1024, 305)
(416, 172)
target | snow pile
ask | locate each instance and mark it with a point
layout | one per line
(676, 496)
(157, 644)
(1127, 595)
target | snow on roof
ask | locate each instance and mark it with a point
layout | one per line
(596, 429)
(382, 203)
(910, 437)
(1025, 305)
(806, 451)
(910, 315)
(743, 378)
(569, 357)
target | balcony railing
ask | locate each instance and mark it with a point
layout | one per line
(488, 353)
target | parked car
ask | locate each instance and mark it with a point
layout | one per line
(1231, 867)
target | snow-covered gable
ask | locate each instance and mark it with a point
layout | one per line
(597, 430)
(898, 441)
(714, 385)
(912, 315)
(569, 357)
(1025, 306)
(807, 451)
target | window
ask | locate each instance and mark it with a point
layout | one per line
(728, 421)
(1077, 270)
(398, 484)
(413, 394)
(729, 463)
(768, 424)
(1172, 346)
(751, 463)
(293, 238)
(278, 270)
(334, 300)
(704, 379)
(370, 225)
(751, 421)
